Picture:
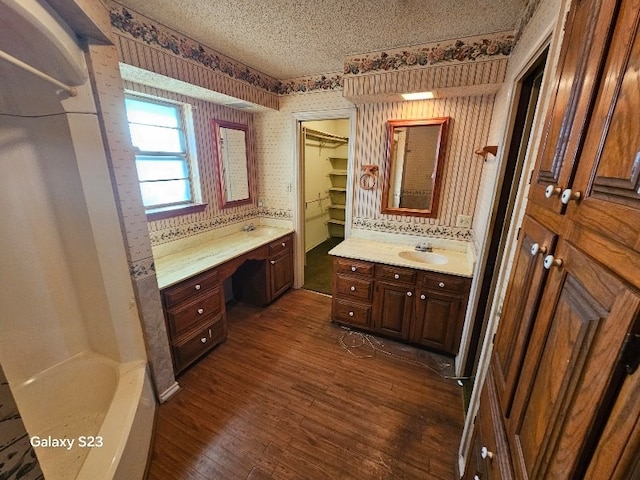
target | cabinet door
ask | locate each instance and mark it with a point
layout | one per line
(607, 183)
(280, 275)
(581, 58)
(393, 309)
(520, 308)
(572, 367)
(438, 320)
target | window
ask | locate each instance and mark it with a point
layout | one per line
(165, 172)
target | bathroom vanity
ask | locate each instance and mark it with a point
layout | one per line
(260, 265)
(419, 297)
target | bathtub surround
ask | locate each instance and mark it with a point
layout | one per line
(17, 457)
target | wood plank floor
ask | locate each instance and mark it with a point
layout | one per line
(283, 399)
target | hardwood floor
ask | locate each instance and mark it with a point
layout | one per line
(282, 399)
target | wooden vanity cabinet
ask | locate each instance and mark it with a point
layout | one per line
(352, 286)
(408, 305)
(440, 307)
(195, 317)
(280, 270)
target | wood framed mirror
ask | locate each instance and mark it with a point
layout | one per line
(414, 166)
(233, 161)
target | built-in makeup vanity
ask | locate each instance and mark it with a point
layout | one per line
(416, 294)
(191, 276)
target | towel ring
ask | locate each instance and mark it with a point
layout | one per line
(367, 181)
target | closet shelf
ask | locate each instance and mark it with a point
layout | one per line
(336, 221)
(325, 137)
(337, 189)
(339, 207)
(338, 172)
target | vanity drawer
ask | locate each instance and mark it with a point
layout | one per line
(281, 245)
(191, 348)
(193, 286)
(182, 319)
(351, 312)
(449, 283)
(353, 287)
(345, 265)
(395, 274)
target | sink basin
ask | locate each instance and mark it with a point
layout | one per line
(263, 232)
(423, 257)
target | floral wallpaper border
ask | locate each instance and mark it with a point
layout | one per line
(179, 232)
(142, 268)
(152, 34)
(388, 226)
(463, 50)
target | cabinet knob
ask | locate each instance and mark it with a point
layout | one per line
(351, 314)
(476, 477)
(200, 311)
(396, 276)
(552, 191)
(441, 285)
(551, 261)
(486, 453)
(353, 269)
(197, 287)
(537, 249)
(272, 262)
(569, 195)
(353, 289)
(203, 339)
(284, 244)
(423, 297)
(409, 294)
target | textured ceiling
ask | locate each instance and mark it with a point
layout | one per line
(291, 38)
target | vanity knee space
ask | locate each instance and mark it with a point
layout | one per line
(415, 306)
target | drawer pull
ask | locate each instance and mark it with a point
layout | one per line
(353, 289)
(423, 297)
(210, 336)
(409, 294)
(396, 276)
(441, 284)
(353, 269)
(200, 311)
(197, 287)
(351, 314)
(486, 453)
(203, 339)
(272, 262)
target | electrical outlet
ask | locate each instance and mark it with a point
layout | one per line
(464, 221)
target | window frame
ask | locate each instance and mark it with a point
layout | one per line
(185, 122)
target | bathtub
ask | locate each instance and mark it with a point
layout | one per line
(88, 418)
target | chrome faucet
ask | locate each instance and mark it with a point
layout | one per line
(249, 227)
(424, 247)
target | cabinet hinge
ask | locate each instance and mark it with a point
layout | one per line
(631, 353)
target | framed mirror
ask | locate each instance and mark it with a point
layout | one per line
(233, 161)
(414, 166)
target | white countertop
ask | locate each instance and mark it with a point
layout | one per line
(459, 262)
(211, 252)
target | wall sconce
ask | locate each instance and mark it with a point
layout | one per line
(368, 177)
(489, 149)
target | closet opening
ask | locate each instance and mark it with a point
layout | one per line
(324, 152)
(526, 102)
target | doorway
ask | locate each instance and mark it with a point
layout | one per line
(526, 102)
(323, 153)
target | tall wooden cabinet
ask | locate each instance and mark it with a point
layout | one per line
(565, 356)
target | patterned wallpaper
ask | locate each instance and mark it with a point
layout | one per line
(213, 216)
